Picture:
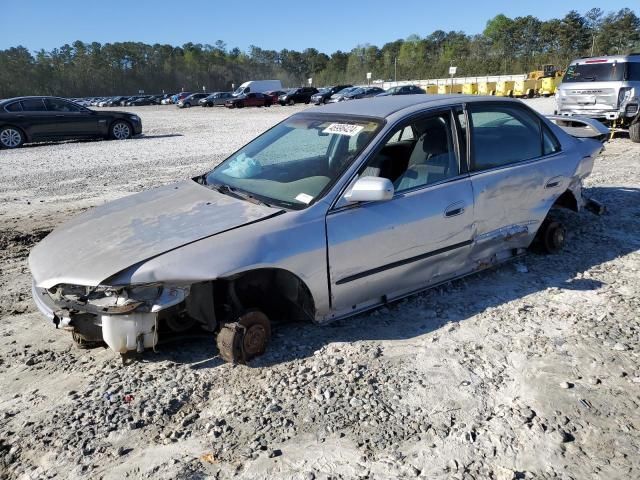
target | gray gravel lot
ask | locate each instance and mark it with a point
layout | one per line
(527, 371)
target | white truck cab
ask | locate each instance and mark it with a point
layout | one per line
(605, 88)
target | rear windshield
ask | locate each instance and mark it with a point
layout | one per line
(595, 72)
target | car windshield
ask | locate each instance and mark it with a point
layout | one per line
(296, 161)
(594, 72)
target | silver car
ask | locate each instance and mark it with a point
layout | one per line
(604, 88)
(327, 214)
(216, 98)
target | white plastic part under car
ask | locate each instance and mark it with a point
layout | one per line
(135, 331)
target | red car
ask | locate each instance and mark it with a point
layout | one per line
(274, 95)
(249, 100)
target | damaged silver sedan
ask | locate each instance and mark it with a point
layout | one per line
(327, 214)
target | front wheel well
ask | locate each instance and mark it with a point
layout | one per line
(282, 295)
(566, 200)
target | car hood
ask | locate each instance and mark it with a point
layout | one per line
(110, 238)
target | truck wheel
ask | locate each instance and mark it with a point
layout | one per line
(244, 339)
(634, 131)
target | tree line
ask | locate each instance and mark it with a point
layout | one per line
(507, 45)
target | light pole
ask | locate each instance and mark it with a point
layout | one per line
(395, 70)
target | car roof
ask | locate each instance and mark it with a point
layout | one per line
(384, 107)
(7, 100)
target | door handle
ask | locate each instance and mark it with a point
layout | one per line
(59, 115)
(454, 209)
(553, 183)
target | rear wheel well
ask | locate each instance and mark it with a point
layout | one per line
(280, 294)
(566, 200)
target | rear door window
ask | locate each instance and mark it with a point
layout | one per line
(57, 105)
(13, 107)
(502, 135)
(33, 105)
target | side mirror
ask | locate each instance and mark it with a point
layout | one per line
(370, 189)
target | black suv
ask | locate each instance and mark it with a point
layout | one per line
(297, 95)
(324, 94)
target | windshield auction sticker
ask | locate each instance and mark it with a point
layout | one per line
(343, 129)
(304, 198)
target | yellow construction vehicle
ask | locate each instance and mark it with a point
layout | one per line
(486, 88)
(550, 81)
(504, 88)
(445, 88)
(470, 88)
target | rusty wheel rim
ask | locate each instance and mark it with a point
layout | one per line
(255, 340)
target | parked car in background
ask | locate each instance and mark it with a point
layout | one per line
(145, 100)
(33, 119)
(277, 229)
(402, 90)
(127, 100)
(114, 101)
(192, 100)
(216, 98)
(179, 96)
(274, 95)
(297, 95)
(166, 99)
(324, 94)
(258, 86)
(248, 100)
(355, 94)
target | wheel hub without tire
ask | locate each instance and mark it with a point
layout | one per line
(244, 339)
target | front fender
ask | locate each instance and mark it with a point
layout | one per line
(295, 242)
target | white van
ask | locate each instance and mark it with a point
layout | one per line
(259, 86)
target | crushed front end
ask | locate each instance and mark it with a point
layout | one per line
(124, 317)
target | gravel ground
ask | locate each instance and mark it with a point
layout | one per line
(526, 371)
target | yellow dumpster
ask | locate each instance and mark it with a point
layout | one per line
(504, 88)
(486, 88)
(431, 89)
(470, 88)
(526, 88)
(448, 88)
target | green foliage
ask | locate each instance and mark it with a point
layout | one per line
(507, 45)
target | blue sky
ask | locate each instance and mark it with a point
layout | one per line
(328, 25)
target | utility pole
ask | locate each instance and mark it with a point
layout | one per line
(395, 70)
